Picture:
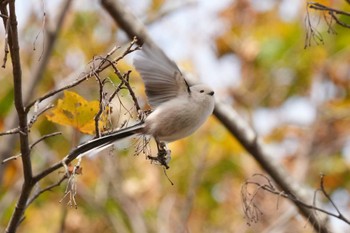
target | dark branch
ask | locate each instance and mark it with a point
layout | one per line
(318, 6)
(22, 118)
(48, 188)
(44, 137)
(333, 12)
(6, 44)
(101, 106)
(253, 213)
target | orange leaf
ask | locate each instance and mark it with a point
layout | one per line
(74, 110)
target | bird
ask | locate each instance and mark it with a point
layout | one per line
(178, 109)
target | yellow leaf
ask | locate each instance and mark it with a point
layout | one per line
(75, 111)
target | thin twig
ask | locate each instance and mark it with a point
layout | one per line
(6, 44)
(41, 31)
(100, 110)
(271, 189)
(311, 32)
(117, 89)
(340, 215)
(11, 131)
(44, 137)
(35, 117)
(7, 145)
(318, 6)
(52, 33)
(125, 79)
(14, 157)
(31, 146)
(338, 21)
(48, 188)
(81, 79)
(130, 48)
(331, 11)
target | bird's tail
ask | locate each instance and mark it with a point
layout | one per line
(105, 140)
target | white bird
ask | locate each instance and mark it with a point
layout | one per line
(178, 109)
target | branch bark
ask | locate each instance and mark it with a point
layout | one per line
(11, 121)
(21, 113)
(22, 118)
(228, 117)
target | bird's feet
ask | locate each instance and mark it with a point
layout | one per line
(163, 157)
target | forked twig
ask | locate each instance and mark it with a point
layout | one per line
(104, 65)
(311, 33)
(48, 188)
(31, 146)
(253, 212)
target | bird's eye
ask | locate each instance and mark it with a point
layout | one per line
(201, 91)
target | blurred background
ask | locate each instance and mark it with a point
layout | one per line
(292, 88)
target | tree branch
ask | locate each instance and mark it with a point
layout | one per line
(252, 211)
(85, 76)
(11, 131)
(22, 118)
(331, 11)
(21, 112)
(318, 6)
(7, 145)
(48, 188)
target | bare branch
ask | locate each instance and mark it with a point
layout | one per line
(31, 146)
(338, 20)
(85, 76)
(44, 137)
(7, 145)
(340, 215)
(11, 158)
(101, 107)
(311, 32)
(42, 31)
(329, 14)
(318, 6)
(35, 117)
(22, 117)
(11, 131)
(117, 89)
(253, 213)
(48, 188)
(6, 44)
(17, 79)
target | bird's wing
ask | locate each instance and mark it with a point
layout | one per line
(163, 79)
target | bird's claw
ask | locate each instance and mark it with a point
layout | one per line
(163, 157)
